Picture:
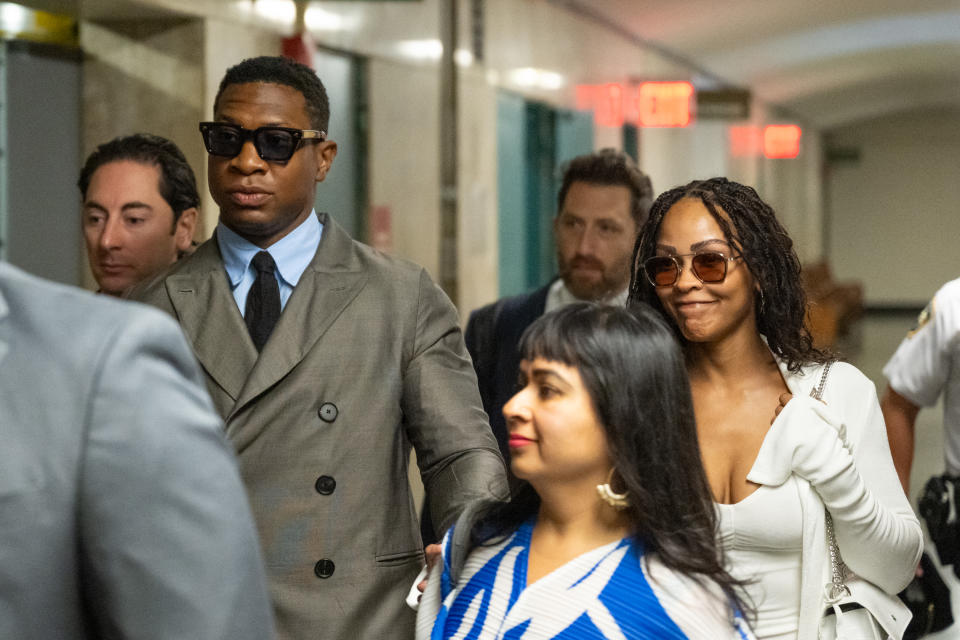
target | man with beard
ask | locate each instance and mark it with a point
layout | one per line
(603, 201)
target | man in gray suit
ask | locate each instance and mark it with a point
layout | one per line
(122, 514)
(328, 360)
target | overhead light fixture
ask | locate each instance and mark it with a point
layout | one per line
(23, 23)
(431, 50)
(422, 50)
(277, 11)
(318, 19)
(532, 78)
(15, 18)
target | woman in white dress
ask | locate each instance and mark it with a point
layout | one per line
(611, 535)
(714, 261)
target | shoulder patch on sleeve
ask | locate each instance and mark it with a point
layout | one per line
(924, 318)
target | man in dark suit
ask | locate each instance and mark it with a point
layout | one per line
(122, 513)
(603, 201)
(328, 360)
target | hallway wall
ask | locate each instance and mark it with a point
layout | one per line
(144, 77)
(894, 221)
(161, 74)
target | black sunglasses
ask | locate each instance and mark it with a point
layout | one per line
(709, 267)
(273, 144)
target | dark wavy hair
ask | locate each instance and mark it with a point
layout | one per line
(178, 185)
(634, 372)
(610, 167)
(280, 70)
(767, 251)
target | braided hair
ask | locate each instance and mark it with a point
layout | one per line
(751, 226)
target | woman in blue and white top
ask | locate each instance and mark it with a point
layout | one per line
(612, 531)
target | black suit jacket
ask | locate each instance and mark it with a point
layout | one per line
(493, 337)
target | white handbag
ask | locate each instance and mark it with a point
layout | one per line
(844, 618)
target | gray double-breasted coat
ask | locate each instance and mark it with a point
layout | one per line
(366, 361)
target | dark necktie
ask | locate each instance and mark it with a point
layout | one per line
(263, 301)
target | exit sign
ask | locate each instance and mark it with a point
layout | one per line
(649, 104)
(664, 104)
(781, 141)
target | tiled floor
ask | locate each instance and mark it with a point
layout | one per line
(869, 347)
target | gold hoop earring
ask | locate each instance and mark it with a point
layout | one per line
(618, 501)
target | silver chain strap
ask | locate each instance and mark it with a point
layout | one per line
(817, 392)
(837, 589)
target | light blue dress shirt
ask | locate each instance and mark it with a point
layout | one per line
(292, 253)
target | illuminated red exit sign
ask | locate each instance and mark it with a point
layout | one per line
(664, 104)
(649, 104)
(781, 141)
(775, 141)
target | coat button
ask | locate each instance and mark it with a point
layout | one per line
(324, 568)
(328, 412)
(325, 485)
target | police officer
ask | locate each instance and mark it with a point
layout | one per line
(925, 364)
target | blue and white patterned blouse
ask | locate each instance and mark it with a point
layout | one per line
(606, 593)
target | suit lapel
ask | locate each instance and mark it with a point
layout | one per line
(201, 296)
(328, 285)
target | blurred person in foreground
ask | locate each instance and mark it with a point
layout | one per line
(717, 265)
(611, 531)
(139, 209)
(122, 513)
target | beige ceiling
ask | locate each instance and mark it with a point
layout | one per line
(101, 9)
(830, 62)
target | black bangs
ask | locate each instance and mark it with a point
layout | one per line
(554, 341)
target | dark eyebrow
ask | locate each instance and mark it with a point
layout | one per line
(92, 204)
(609, 220)
(705, 243)
(135, 204)
(666, 247)
(696, 246)
(544, 373)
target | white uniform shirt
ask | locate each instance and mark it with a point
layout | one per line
(927, 363)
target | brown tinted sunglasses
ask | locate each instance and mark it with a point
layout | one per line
(710, 267)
